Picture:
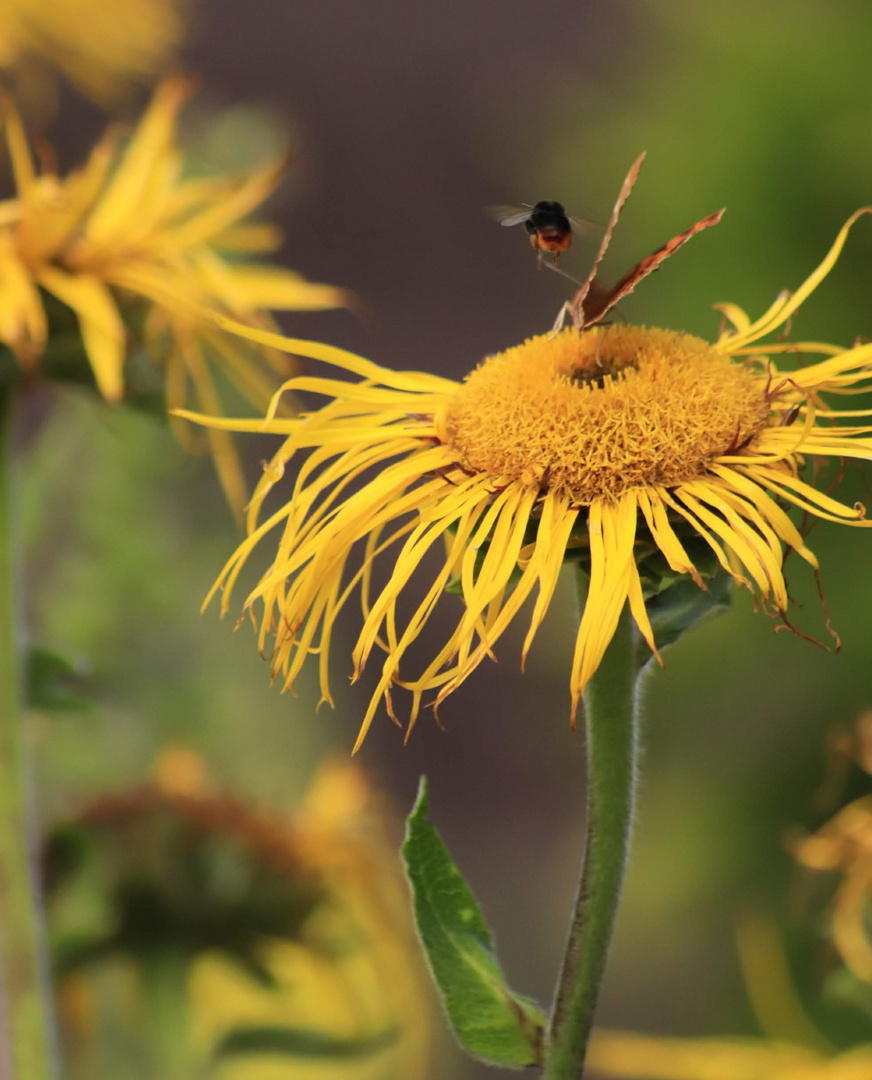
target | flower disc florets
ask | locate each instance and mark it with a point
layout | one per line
(591, 415)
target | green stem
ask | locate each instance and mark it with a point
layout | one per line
(165, 973)
(24, 1027)
(612, 747)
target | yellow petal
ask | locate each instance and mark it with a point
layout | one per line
(224, 454)
(786, 305)
(151, 144)
(23, 170)
(43, 231)
(22, 318)
(221, 213)
(648, 1057)
(276, 289)
(737, 318)
(255, 238)
(612, 532)
(101, 325)
(403, 380)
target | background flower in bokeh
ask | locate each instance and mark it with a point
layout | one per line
(843, 846)
(268, 939)
(103, 57)
(648, 1057)
(140, 252)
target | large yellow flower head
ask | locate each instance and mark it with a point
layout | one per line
(622, 447)
(129, 228)
(101, 52)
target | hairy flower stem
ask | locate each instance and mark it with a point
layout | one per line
(25, 1047)
(612, 746)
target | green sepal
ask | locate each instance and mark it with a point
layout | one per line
(302, 1042)
(489, 1019)
(53, 683)
(679, 606)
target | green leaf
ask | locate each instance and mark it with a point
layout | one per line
(53, 682)
(302, 1042)
(490, 1020)
(681, 605)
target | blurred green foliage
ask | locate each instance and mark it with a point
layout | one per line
(122, 533)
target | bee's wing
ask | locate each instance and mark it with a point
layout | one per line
(585, 225)
(510, 215)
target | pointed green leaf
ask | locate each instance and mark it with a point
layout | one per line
(53, 682)
(681, 605)
(490, 1020)
(302, 1042)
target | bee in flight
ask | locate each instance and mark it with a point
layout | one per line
(547, 223)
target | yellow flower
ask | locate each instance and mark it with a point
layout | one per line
(129, 227)
(794, 1049)
(313, 900)
(612, 445)
(102, 55)
(648, 1057)
(844, 845)
(376, 987)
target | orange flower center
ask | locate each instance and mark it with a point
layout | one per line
(590, 415)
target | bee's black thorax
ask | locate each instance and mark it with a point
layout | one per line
(548, 217)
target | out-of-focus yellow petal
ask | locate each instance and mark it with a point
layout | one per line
(148, 149)
(101, 325)
(223, 451)
(277, 289)
(48, 224)
(103, 55)
(10, 212)
(23, 170)
(129, 228)
(769, 984)
(176, 293)
(255, 239)
(22, 319)
(648, 1057)
(357, 365)
(223, 212)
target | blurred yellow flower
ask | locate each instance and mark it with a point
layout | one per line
(290, 924)
(648, 1057)
(356, 992)
(101, 52)
(129, 227)
(611, 445)
(844, 845)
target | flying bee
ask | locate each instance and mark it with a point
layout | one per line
(547, 223)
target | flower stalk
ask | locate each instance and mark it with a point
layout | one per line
(612, 750)
(24, 1032)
